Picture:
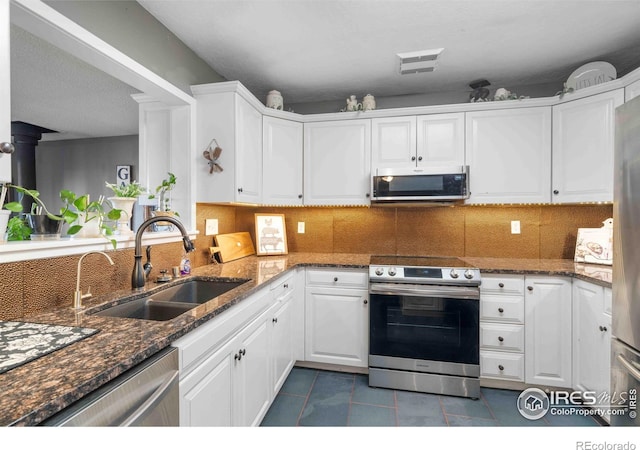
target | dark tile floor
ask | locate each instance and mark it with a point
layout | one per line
(320, 398)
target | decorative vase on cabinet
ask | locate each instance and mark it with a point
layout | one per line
(125, 204)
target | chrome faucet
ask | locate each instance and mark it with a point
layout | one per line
(78, 296)
(140, 273)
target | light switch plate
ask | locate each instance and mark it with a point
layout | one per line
(211, 227)
(515, 227)
(301, 227)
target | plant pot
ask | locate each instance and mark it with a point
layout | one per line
(162, 225)
(90, 229)
(4, 219)
(125, 204)
(44, 227)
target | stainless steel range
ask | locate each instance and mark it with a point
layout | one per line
(424, 325)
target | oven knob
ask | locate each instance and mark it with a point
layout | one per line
(468, 274)
(379, 271)
(391, 271)
(454, 273)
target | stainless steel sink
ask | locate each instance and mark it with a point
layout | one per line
(171, 302)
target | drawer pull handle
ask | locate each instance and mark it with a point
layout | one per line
(500, 338)
(274, 320)
(500, 310)
(603, 329)
(285, 285)
(501, 285)
(335, 279)
(500, 367)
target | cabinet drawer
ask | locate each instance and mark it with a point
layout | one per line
(507, 366)
(497, 336)
(502, 308)
(283, 285)
(339, 278)
(502, 284)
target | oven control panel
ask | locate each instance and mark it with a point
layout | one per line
(425, 275)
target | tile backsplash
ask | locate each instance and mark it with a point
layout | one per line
(30, 287)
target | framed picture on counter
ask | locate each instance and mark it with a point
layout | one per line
(271, 234)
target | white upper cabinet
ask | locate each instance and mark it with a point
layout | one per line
(417, 141)
(281, 162)
(337, 162)
(236, 126)
(509, 155)
(5, 86)
(632, 91)
(583, 139)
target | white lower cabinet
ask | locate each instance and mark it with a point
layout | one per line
(591, 339)
(502, 336)
(336, 317)
(232, 367)
(548, 331)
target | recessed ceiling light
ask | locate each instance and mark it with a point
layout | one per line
(419, 61)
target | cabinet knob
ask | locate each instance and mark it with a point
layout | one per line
(530, 288)
(500, 310)
(366, 301)
(367, 195)
(556, 192)
(7, 147)
(501, 285)
(500, 367)
(240, 190)
(500, 338)
(274, 320)
(413, 158)
(603, 329)
(335, 279)
(419, 158)
(299, 195)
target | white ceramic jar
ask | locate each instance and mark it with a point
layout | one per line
(274, 100)
(368, 103)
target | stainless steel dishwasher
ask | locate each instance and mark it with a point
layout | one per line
(146, 395)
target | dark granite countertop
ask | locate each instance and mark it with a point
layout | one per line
(35, 391)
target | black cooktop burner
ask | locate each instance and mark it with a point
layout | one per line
(418, 261)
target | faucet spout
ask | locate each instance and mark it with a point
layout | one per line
(77, 295)
(138, 277)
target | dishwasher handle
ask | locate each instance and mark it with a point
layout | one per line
(150, 405)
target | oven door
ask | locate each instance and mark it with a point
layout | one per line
(424, 328)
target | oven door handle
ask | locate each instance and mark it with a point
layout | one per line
(421, 290)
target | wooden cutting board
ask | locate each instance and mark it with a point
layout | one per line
(234, 246)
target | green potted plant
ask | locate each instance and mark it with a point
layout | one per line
(164, 201)
(125, 196)
(77, 211)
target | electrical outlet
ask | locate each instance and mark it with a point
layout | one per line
(301, 227)
(515, 227)
(211, 227)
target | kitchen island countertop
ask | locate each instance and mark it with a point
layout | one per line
(36, 390)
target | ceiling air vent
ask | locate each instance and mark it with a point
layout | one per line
(419, 61)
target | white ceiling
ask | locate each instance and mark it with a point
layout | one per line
(325, 50)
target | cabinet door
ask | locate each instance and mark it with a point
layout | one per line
(282, 162)
(336, 326)
(337, 162)
(281, 340)
(509, 155)
(248, 152)
(5, 86)
(632, 91)
(548, 331)
(252, 381)
(206, 393)
(393, 143)
(440, 140)
(583, 139)
(591, 338)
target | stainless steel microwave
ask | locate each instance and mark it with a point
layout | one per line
(421, 184)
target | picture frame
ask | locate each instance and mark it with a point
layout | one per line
(271, 234)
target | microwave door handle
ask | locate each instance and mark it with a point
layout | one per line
(425, 291)
(631, 367)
